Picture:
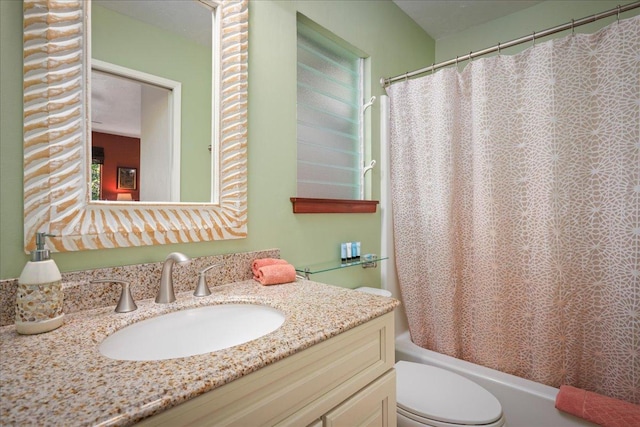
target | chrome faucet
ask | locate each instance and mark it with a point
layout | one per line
(165, 293)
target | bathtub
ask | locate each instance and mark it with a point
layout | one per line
(525, 403)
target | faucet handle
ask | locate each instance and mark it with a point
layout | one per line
(126, 302)
(202, 290)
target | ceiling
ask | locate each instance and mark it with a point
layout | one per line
(439, 18)
(191, 19)
(442, 18)
(116, 102)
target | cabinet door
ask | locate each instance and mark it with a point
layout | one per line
(373, 406)
(297, 390)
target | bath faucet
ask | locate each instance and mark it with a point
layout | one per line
(165, 293)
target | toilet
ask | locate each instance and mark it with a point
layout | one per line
(431, 396)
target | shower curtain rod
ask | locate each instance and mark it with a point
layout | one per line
(532, 37)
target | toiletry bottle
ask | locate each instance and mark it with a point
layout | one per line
(39, 295)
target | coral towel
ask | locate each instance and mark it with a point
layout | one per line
(255, 265)
(599, 409)
(276, 274)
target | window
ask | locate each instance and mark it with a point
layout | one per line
(330, 128)
(97, 160)
(96, 181)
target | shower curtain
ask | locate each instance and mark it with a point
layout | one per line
(516, 210)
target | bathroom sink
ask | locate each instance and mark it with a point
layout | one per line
(191, 332)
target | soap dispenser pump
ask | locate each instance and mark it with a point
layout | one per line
(39, 296)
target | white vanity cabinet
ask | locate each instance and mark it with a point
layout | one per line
(347, 380)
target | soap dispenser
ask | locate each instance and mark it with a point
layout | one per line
(39, 297)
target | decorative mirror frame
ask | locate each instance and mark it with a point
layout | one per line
(56, 157)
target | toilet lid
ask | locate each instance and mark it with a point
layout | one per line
(441, 395)
(374, 291)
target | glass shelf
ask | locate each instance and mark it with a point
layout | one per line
(336, 265)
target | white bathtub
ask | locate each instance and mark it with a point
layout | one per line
(525, 403)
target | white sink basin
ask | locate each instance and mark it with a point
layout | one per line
(191, 332)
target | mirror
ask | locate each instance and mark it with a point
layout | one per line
(151, 98)
(57, 154)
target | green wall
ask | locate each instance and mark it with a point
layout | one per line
(536, 18)
(394, 43)
(11, 202)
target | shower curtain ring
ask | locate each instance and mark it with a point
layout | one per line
(433, 64)
(456, 61)
(573, 28)
(498, 48)
(406, 76)
(618, 14)
(470, 56)
(534, 39)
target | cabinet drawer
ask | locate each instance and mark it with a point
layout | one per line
(296, 390)
(374, 406)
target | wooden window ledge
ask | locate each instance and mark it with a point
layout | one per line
(303, 205)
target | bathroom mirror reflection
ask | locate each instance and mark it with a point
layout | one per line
(57, 148)
(152, 72)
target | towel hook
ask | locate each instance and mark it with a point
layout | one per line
(368, 168)
(368, 104)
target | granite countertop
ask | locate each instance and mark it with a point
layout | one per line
(60, 377)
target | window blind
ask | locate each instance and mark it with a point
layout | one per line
(328, 106)
(97, 155)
